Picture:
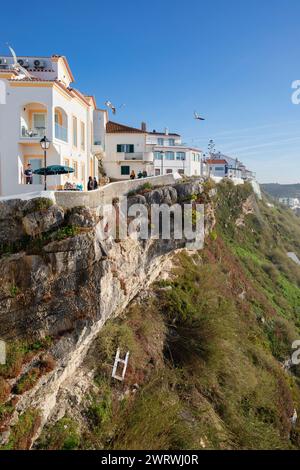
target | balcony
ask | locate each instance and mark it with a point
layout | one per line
(35, 133)
(33, 122)
(97, 147)
(61, 132)
(137, 156)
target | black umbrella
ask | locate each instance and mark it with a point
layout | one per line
(54, 170)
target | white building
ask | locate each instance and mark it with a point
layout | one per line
(291, 202)
(126, 150)
(222, 166)
(130, 149)
(46, 105)
(171, 156)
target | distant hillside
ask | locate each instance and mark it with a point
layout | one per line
(282, 190)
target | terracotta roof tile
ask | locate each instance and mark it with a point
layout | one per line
(116, 128)
(216, 162)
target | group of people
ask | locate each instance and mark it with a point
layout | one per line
(140, 174)
(69, 186)
(92, 183)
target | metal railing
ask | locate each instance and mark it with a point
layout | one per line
(134, 156)
(61, 132)
(34, 133)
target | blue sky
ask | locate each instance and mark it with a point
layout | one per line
(231, 60)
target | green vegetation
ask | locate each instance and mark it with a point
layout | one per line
(39, 204)
(23, 431)
(35, 245)
(206, 346)
(20, 352)
(64, 435)
(27, 381)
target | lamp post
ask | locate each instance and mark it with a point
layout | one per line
(45, 144)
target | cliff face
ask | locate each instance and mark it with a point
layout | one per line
(209, 331)
(58, 291)
(210, 347)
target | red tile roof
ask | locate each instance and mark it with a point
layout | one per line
(116, 128)
(216, 162)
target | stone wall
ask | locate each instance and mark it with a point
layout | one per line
(105, 194)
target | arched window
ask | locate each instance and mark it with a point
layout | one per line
(61, 124)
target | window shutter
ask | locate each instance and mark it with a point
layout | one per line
(131, 148)
(119, 148)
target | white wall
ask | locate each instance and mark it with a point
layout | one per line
(189, 166)
(113, 160)
(12, 148)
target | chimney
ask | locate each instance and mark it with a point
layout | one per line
(166, 131)
(144, 126)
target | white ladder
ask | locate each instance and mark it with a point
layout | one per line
(117, 362)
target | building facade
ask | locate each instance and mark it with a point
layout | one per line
(46, 104)
(171, 156)
(130, 149)
(126, 151)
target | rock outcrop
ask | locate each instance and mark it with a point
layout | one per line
(69, 284)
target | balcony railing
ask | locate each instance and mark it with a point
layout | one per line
(34, 133)
(61, 132)
(134, 156)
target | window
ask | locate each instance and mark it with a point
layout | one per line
(157, 171)
(125, 148)
(160, 141)
(158, 155)
(82, 133)
(171, 142)
(170, 156)
(169, 170)
(125, 170)
(39, 123)
(181, 171)
(219, 168)
(74, 131)
(180, 156)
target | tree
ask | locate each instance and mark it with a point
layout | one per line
(211, 147)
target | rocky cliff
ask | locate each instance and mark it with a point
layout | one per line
(59, 283)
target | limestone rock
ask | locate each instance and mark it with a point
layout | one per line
(185, 190)
(11, 212)
(138, 199)
(36, 223)
(167, 195)
(82, 217)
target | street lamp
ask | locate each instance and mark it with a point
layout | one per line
(45, 144)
